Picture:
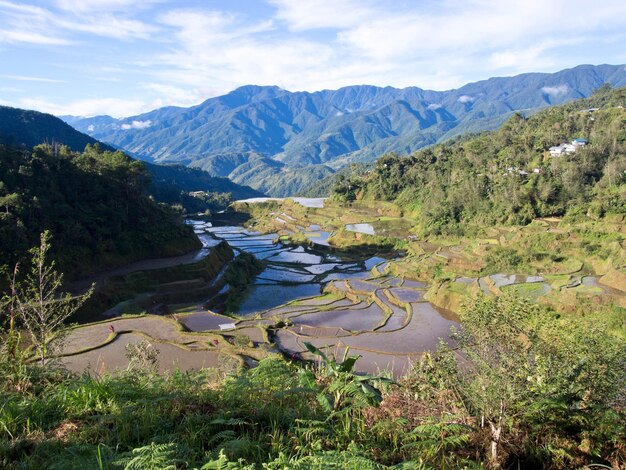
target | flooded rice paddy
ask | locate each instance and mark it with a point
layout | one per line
(333, 301)
(309, 293)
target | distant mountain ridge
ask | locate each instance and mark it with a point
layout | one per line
(282, 142)
(26, 128)
(20, 128)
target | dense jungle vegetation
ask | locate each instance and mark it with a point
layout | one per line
(507, 176)
(94, 203)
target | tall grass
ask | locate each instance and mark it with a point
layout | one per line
(277, 415)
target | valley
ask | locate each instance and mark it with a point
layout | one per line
(459, 306)
(340, 276)
(284, 143)
(319, 294)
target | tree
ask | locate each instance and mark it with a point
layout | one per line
(518, 369)
(497, 343)
(8, 301)
(9, 201)
(40, 303)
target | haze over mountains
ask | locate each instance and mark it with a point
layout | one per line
(282, 142)
(24, 129)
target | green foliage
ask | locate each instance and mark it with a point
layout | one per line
(503, 260)
(195, 190)
(42, 306)
(152, 457)
(342, 387)
(142, 356)
(25, 128)
(462, 186)
(330, 459)
(558, 394)
(223, 463)
(346, 189)
(435, 439)
(521, 370)
(94, 204)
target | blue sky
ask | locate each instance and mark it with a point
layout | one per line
(124, 57)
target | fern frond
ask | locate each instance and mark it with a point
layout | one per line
(152, 457)
(223, 463)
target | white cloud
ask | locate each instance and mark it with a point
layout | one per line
(99, 5)
(91, 128)
(180, 96)
(115, 107)
(221, 49)
(108, 25)
(434, 106)
(317, 14)
(466, 99)
(137, 125)
(182, 55)
(516, 59)
(31, 37)
(367, 42)
(22, 23)
(23, 78)
(458, 30)
(555, 91)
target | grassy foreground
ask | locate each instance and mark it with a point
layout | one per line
(522, 389)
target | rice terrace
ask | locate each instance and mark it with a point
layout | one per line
(337, 234)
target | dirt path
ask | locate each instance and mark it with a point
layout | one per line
(146, 264)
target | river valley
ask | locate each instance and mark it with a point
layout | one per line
(305, 292)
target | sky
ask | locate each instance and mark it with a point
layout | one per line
(125, 57)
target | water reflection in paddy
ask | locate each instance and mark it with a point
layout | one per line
(321, 268)
(264, 297)
(286, 265)
(388, 335)
(273, 274)
(407, 295)
(373, 261)
(353, 319)
(367, 229)
(422, 333)
(292, 256)
(319, 237)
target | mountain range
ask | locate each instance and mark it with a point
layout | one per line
(283, 142)
(24, 129)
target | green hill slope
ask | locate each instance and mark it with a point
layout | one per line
(172, 184)
(94, 204)
(267, 125)
(508, 176)
(25, 128)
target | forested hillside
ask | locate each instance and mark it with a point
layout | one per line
(262, 136)
(509, 176)
(172, 184)
(194, 189)
(94, 203)
(25, 128)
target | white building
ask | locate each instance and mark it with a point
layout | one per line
(557, 150)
